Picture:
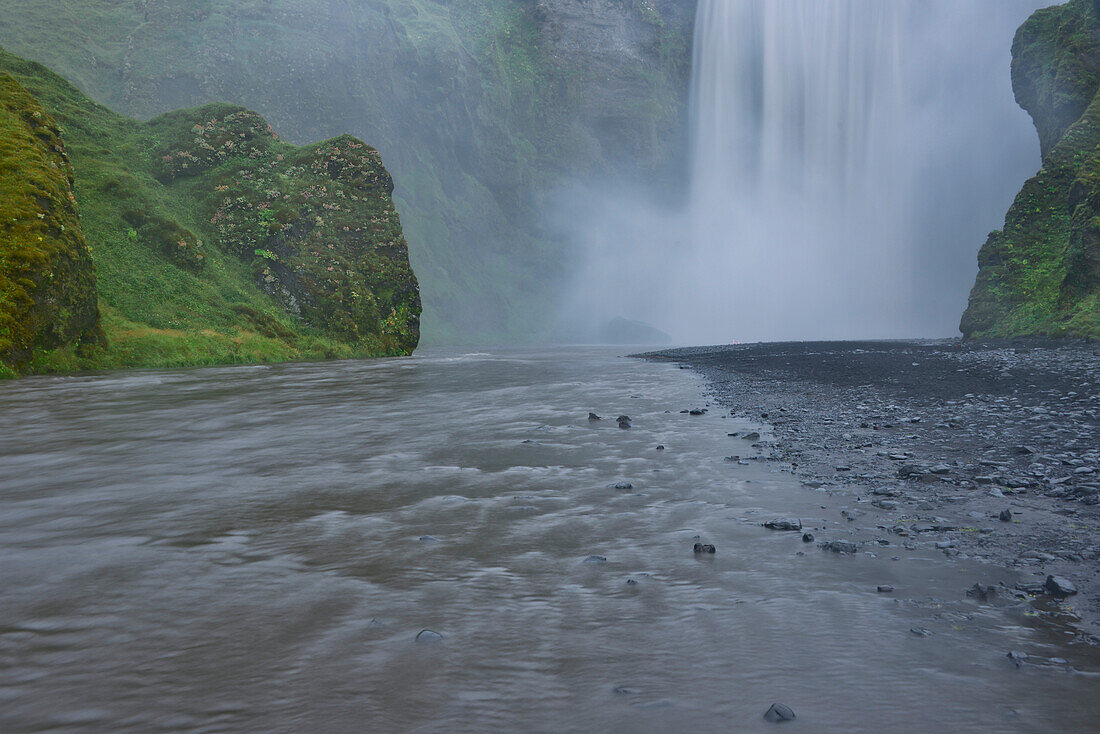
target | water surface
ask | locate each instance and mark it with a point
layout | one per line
(257, 548)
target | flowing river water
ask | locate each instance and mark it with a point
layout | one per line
(257, 548)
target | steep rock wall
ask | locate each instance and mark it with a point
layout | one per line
(1040, 275)
(481, 108)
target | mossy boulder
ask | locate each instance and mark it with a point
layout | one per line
(316, 223)
(1040, 275)
(47, 279)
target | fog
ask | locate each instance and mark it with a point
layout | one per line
(847, 160)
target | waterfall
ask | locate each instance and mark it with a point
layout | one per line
(799, 183)
(847, 159)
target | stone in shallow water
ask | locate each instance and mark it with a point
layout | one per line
(704, 548)
(427, 636)
(885, 589)
(807, 537)
(623, 485)
(1005, 516)
(1059, 586)
(428, 539)
(593, 417)
(754, 436)
(623, 421)
(779, 713)
(595, 559)
(841, 546)
(784, 523)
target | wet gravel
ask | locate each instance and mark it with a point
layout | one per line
(984, 451)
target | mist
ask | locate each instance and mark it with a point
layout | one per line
(847, 159)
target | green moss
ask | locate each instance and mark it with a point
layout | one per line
(47, 280)
(174, 211)
(1040, 275)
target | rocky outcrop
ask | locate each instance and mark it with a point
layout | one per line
(47, 279)
(1040, 275)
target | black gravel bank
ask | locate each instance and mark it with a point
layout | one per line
(988, 451)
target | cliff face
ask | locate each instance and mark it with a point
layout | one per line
(1040, 275)
(47, 280)
(214, 241)
(481, 108)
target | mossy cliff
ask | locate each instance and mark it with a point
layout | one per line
(213, 240)
(1040, 275)
(483, 109)
(47, 280)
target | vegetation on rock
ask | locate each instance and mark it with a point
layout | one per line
(47, 280)
(216, 242)
(1040, 275)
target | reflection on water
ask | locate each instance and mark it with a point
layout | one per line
(257, 549)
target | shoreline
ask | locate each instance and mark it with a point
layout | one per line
(933, 442)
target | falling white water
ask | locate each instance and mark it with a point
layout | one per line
(799, 184)
(848, 158)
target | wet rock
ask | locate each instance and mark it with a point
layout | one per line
(940, 469)
(778, 713)
(593, 417)
(623, 421)
(1005, 516)
(1018, 658)
(624, 691)
(660, 447)
(807, 537)
(885, 589)
(697, 411)
(428, 636)
(623, 485)
(704, 548)
(594, 560)
(753, 436)
(632, 582)
(428, 539)
(982, 593)
(1059, 586)
(920, 631)
(784, 523)
(841, 546)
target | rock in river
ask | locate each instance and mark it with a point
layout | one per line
(426, 636)
(840, 546)
(807, 537)
(1005, 516)
(623, 421)
(779, 713)
(1059, 586)
(784, 523)
(704, 548)
(593, 417)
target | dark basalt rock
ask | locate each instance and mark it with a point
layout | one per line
(1005, 516)
(623, 421)
(778, 713)
(595, 560)
(1059, 586)
(704, 548)
(593, 417)
(754, 436)
(885, 589)
(807, 537)
(428, 636)
(840, 546)
(784, 523)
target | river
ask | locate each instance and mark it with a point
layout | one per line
(257, 549)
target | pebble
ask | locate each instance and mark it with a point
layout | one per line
(704, 548)
(779, 713)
